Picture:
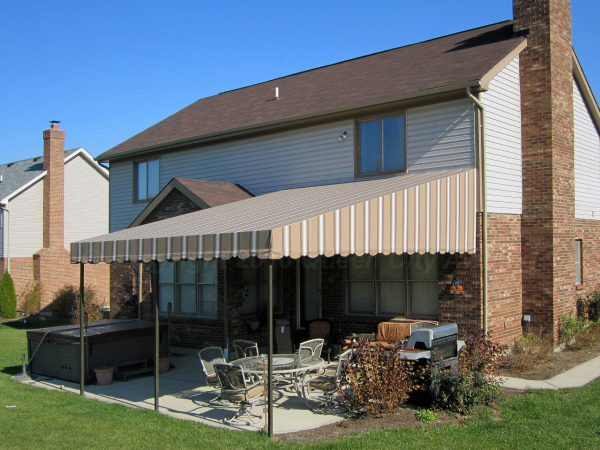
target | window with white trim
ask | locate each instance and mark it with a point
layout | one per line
(392, 285)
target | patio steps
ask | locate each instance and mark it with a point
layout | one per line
(130, 368)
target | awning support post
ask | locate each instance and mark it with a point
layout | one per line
(81, 330)
(156, 333)
(270, 418)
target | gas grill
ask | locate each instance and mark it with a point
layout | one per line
(439, 342)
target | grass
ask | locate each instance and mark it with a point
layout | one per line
(54, 420)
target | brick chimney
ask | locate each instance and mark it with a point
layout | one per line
(546, 70)
(54, 187)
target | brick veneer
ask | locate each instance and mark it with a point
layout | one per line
(546, 73)
(175, 204)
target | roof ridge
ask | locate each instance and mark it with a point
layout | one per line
(363, 56)
(40, 156)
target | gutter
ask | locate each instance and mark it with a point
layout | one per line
(484, 226)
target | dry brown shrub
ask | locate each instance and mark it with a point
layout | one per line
(528, 351)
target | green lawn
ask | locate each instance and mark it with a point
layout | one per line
(44, 419)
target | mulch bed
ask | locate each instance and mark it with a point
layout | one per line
(557, 362)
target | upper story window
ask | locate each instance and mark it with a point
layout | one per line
(381, 145)
(147, 180)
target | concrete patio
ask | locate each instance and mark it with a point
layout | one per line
(184, 395)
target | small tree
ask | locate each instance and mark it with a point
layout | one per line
(8, 297)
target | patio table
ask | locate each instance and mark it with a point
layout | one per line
(283, 364)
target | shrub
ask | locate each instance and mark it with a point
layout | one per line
(528, 350)
(91, 306)
(474, 382)
(66, 300)
(426, 416)
(571, 326)
(31, 298)
(588, 307)
(376, 379)
(8, 297)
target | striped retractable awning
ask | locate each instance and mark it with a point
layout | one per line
(411, 213)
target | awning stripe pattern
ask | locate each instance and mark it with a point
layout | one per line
(437, 216)
(422, 219)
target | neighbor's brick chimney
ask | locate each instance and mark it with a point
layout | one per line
(54, 187)
(546, 69)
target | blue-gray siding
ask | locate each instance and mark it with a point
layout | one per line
(439, 137)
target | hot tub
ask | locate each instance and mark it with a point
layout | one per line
(108, 343)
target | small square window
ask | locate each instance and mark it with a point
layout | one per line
(147, 178)
(381, 146)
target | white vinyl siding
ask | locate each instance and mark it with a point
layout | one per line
(26, 221)
(587, 160)
(86, 201)
(440, 136)
(503, 141)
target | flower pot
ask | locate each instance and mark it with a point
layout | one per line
(104, 375)
(164, 364)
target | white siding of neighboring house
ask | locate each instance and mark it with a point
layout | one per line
(2, 228)
(438, 137)
(587, 160)
(503, 141)
(86, 201)
(26, 221)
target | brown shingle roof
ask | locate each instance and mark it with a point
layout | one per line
(204, 194)
(453, 60)
(215, 193)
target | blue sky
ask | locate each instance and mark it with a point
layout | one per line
(111, 69)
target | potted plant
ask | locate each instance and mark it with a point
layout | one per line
(104, 375)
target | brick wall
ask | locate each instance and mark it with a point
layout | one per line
(175, 204)
(548, 185)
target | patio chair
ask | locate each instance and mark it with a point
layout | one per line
(319, 390)
(313, 347)
(208, 358)
(283, 336)
(321, 329)
(236, 388)
(245, 348)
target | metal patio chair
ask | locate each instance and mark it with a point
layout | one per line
(237, 388)
(208, 358)
(245, 348)
(313, 347)
(319, 389)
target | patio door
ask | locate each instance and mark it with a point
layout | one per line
(308, 275)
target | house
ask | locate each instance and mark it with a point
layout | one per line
(379, 182)
(47, 202)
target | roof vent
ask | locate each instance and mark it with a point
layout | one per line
(276, 93)
(37, 159)
(10, 164)
(1, 178)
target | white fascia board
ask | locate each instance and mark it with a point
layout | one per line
(6, 199)
(83, 152)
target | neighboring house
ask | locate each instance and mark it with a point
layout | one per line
(48, 202)
(378, 182)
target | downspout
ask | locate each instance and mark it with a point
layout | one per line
(484, 222)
